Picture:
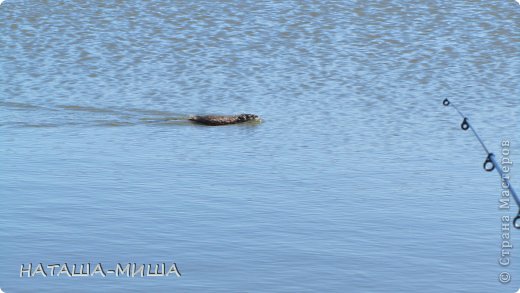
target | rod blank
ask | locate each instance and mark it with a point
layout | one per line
(490, 159)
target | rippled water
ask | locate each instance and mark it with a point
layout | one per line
(358, 180)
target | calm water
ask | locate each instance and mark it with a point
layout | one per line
(358, 180)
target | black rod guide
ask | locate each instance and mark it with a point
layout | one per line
(490, 163)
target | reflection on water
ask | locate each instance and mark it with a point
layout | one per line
(359, 178)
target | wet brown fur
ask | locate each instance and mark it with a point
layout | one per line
(216, 120)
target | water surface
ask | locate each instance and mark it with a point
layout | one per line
(359, 180)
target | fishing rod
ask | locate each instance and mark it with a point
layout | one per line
(490, 163)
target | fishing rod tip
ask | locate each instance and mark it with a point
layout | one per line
(446, 102)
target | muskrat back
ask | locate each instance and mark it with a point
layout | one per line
(216, 120)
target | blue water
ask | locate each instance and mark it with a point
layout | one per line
(358, 180)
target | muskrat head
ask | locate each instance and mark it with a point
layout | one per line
(248, 117)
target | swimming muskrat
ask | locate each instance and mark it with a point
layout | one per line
(216, 120)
